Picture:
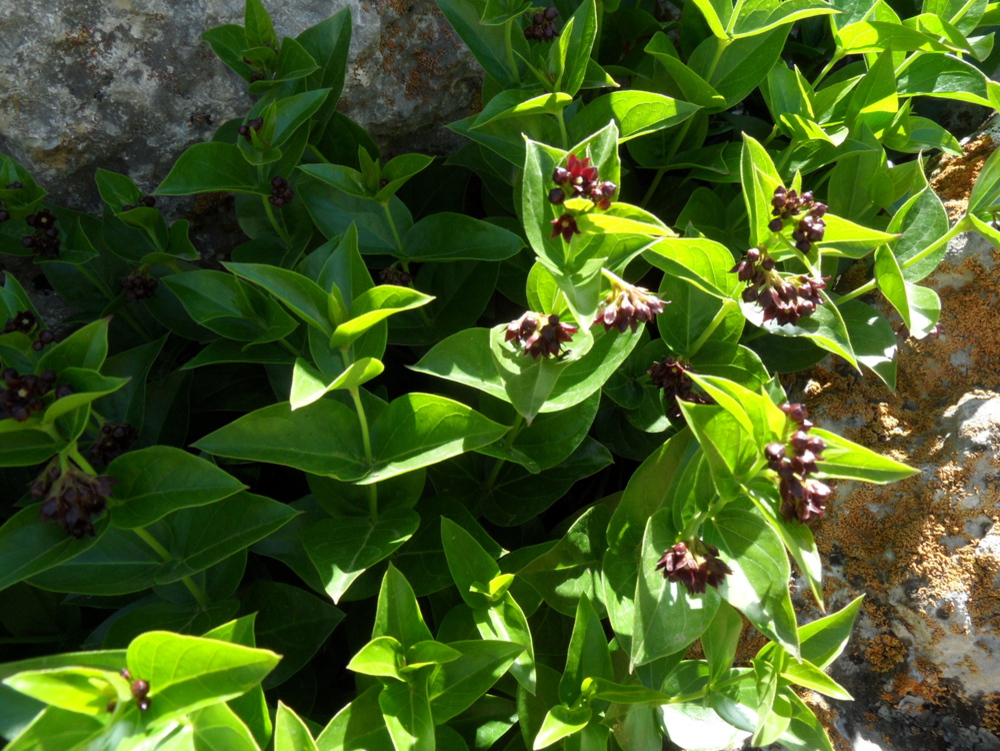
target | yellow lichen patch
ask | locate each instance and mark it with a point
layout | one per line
(885, 652)
(954, 177)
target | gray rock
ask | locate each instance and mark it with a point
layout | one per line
(128, 85)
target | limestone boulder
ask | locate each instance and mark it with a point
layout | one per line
(128, 84)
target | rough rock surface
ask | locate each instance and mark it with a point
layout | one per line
(128, 84)
(924, 662)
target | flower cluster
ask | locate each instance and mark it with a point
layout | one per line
(578, 179)
(783, 299)
(802, 497)
(139, 689)
(543, 25)
(45, 239)
(146, 201)
(788, 204)
(139, 285)
(537, 338)
(255, 124)
(694, 564)
(392, 275)
(671, 376)
(23, 321)
(281, 192)
(626, 306)
(113, 441)
(22, 394)
(71, 497)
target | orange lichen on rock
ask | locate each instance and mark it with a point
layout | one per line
(885, 652)
(955, 175)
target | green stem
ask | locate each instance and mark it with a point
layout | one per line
(197, 592)
(318, 154)
(282, 232)
(707, 333)
(563, 133)
(508, 27)
(392, 226)
(829, 66)
(507, 443)
(367, 443)
(674, 147)
(366, 440)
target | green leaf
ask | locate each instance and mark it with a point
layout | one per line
(873, 340)
(667, 618)
(407, 713)
(758, 586)
(417, 430)
(308, 384)
(187, 672)
(205, 535)
(720, 641)
(293, 112)
(447, 236)
(947, 77)
(846, 460)
(84, 348)
(561, 722)
(116, 563)
(588, 655)
(486, 43)
(468, 562)
(578, 42)
(571, 569)
(759, 178)
(710, 13)
(88, 385)
(344, 548)
(824, 639)
(920, 222)
(373, 306)
(636, 113)
(425, 653)
(694, 88)
(259, 29)
(805, 732)
(290, 621)
(323, 438)
(228, 42)
(505, 621)
(986, 191)
(852, 240)
(873, 101)
(56, 730)
(457, 685)
(357, 727)
(218, 726)
(809, 676)
(30, 545)
(465, 358)
(159, 480)
(743, 64)
(229, 307)
(381, 657)
(82, 690)
(209, 168)
(303, 296)
(729, 449)
(764, 18)
(398, 613)
(398, 171)
(825, 327)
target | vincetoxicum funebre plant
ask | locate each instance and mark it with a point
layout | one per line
(214, 454)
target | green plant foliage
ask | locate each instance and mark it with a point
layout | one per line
(358, 447)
